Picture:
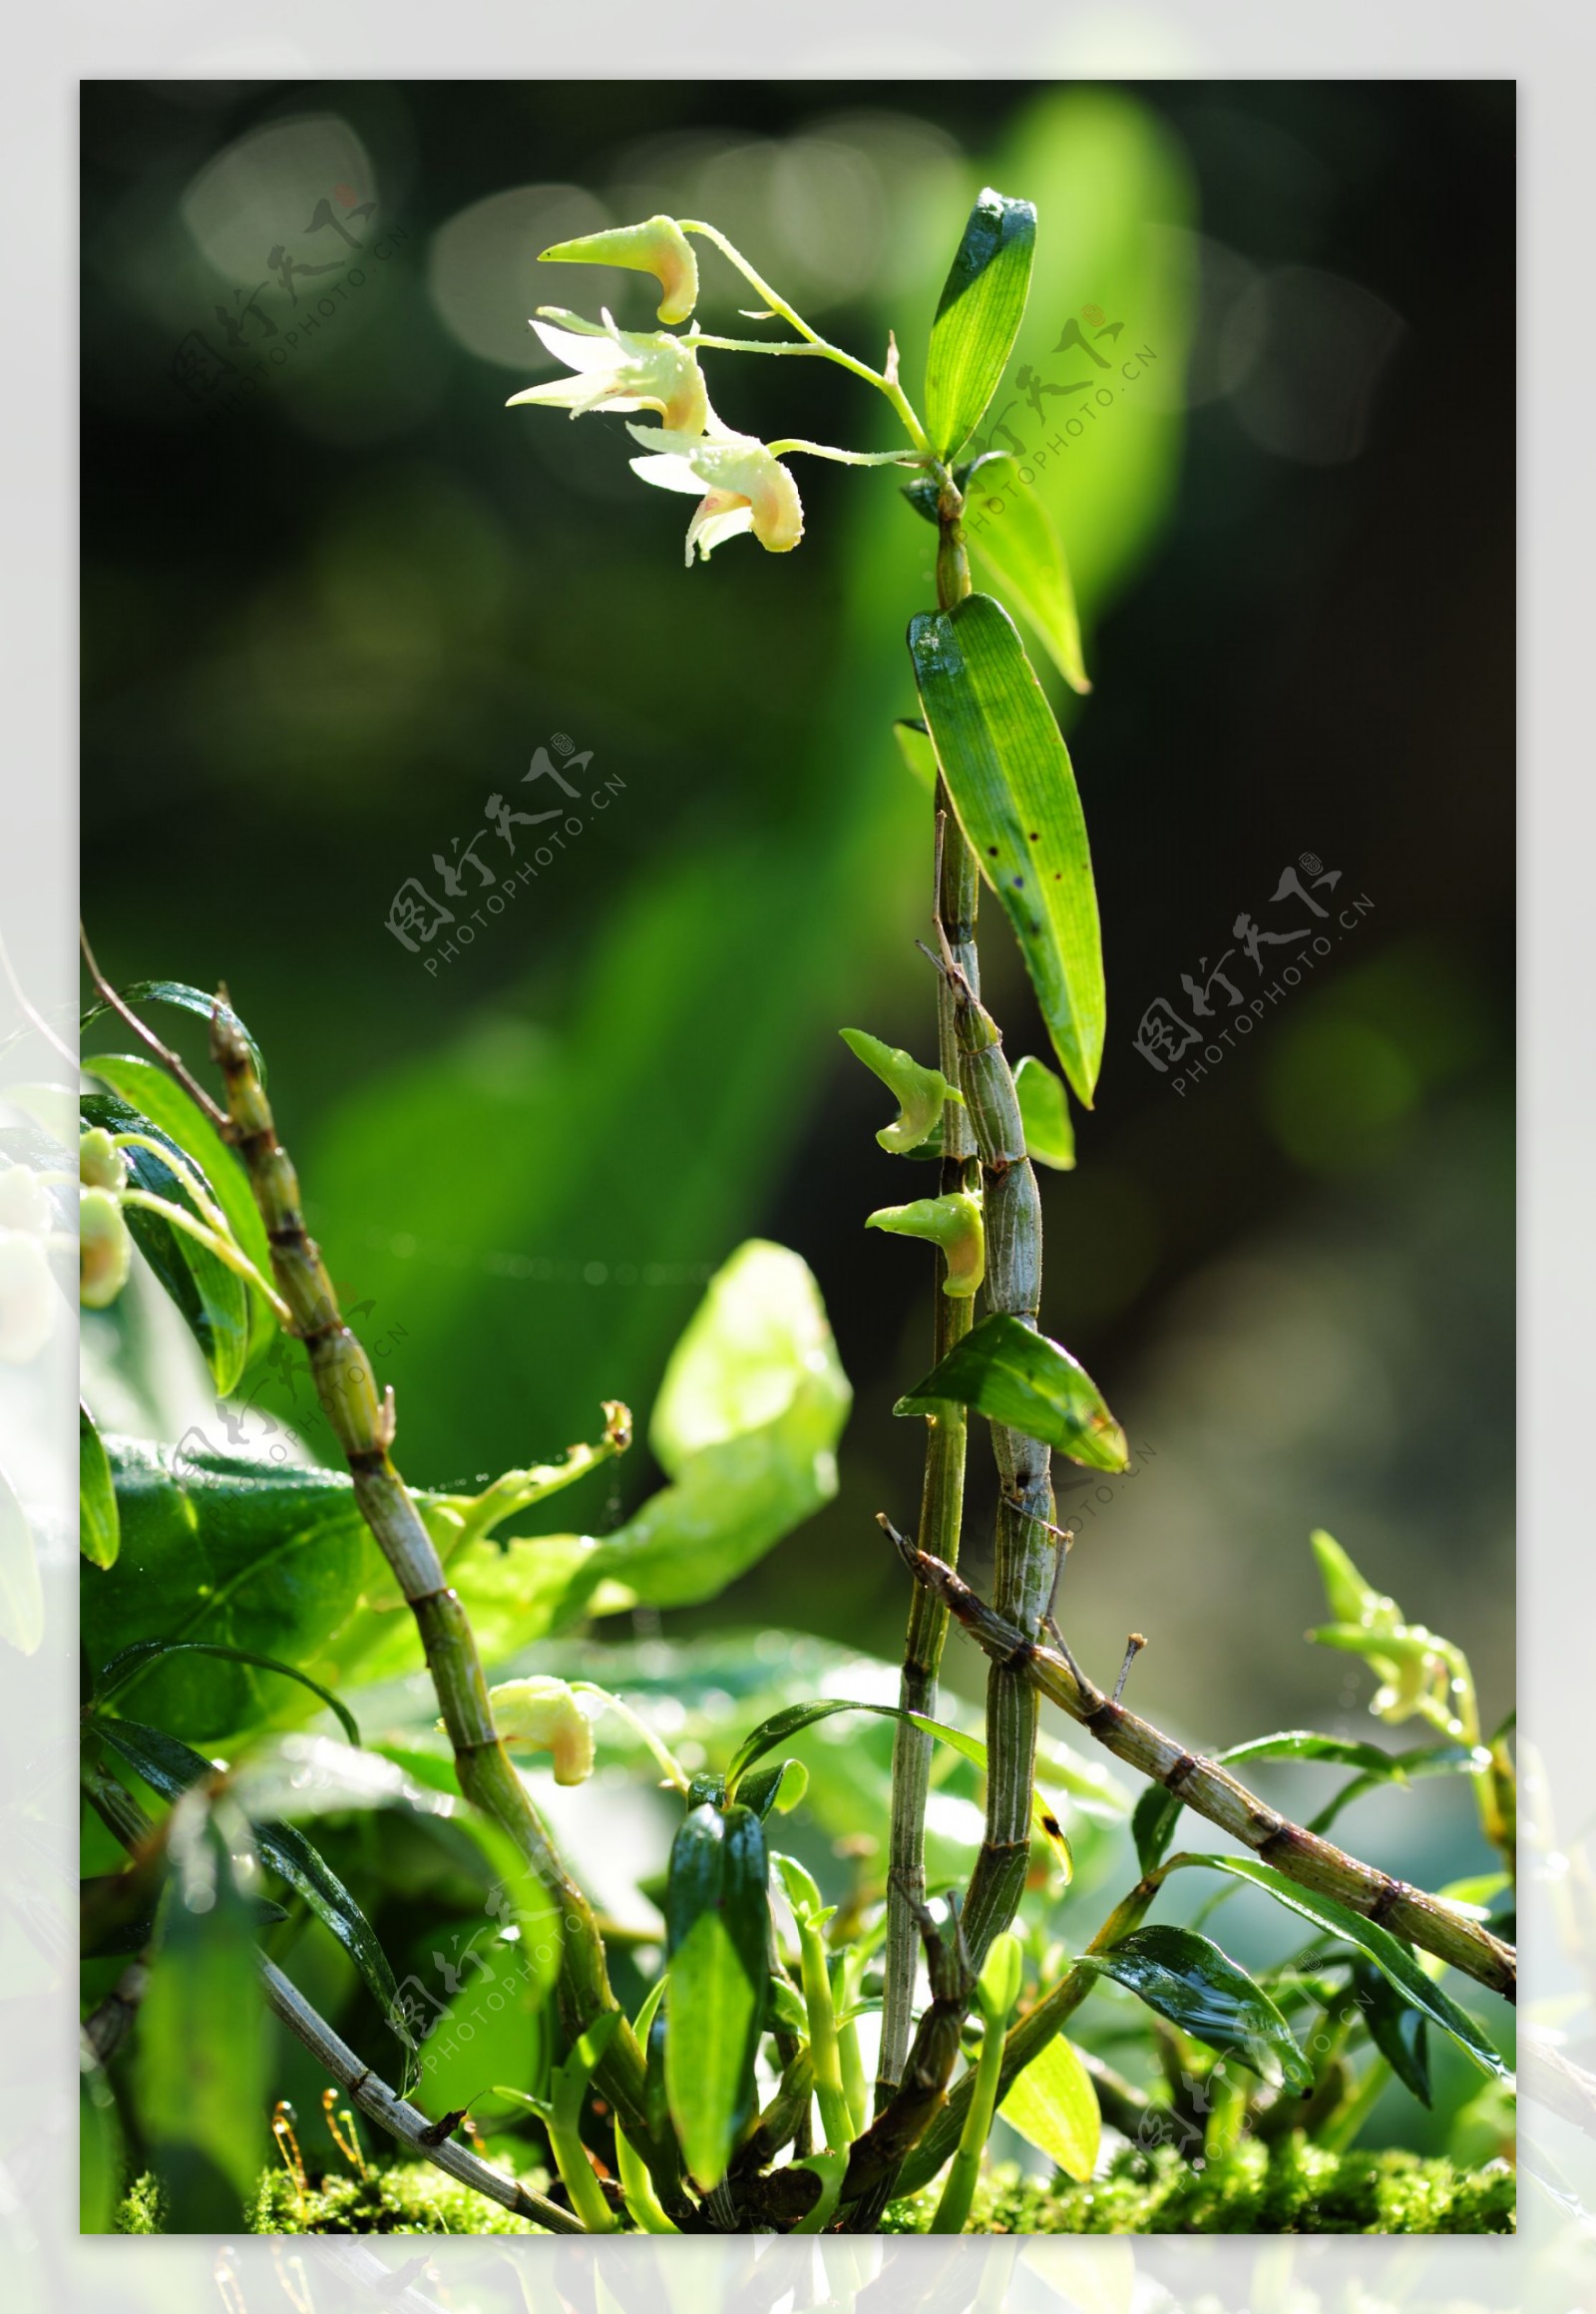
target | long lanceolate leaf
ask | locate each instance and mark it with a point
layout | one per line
(1394, 1959)
(1158, 1811)
(147, 1088)
(978, 317)
(718, 1941)
(1013, 789)
(99, 1530)
(1012, 532)
(132, 1660)
(185, 999)
(172, 1769)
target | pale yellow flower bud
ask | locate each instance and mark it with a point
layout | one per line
(101, 1164)
(657, 246)
(543, 1712)
(105, 1248)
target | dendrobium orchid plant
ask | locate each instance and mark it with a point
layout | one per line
(739, 481)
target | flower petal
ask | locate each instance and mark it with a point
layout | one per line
(722, 516)
(657, 246)
(664, 472)
(599, 353)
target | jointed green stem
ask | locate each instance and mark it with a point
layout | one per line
(1204, 1785)
(955, 900)
(364, 1428)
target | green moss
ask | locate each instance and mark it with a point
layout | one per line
(141, 2208)
(408, 2197)
(1289, 2187)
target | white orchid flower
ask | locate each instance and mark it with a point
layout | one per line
(739, 483)
(620, 369)
(659, 247)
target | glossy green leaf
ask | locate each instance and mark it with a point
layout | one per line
(185, 999)
(1009, 1374)
(21, 1593)
(1054, 2105)
(746, 1426)
(213, 1300)
(1186, 1978)
(759, 1327)
(1391, 1956)
(635, 2182)
(797, 1716)
(1044, 1114)
(781, 1787)
(172, 1769)
(199, 2076)
(124, 1664)
(1013, 787)
(920, 757)
(717, 1940)
(1303, 1743)
(1398, 2032)
(1422, 1760)
(1007, 525)
(264, 1557)
(149, 1090)
(99, 1532)
(978, 317)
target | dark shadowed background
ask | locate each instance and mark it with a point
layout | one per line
(335, 595)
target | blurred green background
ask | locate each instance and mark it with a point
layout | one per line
(328, 617)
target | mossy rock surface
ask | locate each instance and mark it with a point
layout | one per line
(1290, 2187)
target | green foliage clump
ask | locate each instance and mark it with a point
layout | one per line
(141, 2208)
(408, 2197)
(1290, 2187)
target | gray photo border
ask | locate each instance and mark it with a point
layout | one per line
(1551, 52)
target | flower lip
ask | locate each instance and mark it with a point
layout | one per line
(620, 369)
(745, 486)
(658, 246)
